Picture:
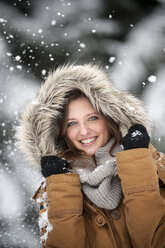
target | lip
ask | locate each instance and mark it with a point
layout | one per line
(91, 143)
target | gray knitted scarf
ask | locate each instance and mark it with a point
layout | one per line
(102, 184)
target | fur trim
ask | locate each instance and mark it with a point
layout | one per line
(38, 128)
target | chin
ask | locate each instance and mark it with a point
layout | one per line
(90, 153)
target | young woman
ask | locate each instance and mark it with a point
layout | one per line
(104, 181)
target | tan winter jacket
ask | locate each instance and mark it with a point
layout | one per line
(139, 220)
(67, 218)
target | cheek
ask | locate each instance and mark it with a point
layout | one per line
(106, 131)
(71, 134)
(103, 129)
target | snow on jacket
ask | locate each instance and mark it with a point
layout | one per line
(69, 219)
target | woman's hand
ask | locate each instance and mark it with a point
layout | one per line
(137, 137)
(51, 165)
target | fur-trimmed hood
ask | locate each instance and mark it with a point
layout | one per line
(38, 128)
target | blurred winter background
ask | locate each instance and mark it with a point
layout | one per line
(126, 37)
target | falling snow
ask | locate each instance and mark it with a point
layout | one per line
(33, 42)
(53, 22)
(82, 45)
(43, 72)
(152, 79)
(112, 59)
(131, 108)
(17, 58)
(40, 31)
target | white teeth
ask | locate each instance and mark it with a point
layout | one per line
(88, 140)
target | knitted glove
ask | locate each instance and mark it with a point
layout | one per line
(137, 137)
(52, 165)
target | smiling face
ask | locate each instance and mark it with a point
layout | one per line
(86, 129)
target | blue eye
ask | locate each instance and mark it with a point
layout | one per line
(93, 118)
(70, 124)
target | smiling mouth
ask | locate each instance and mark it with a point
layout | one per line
(88, 141)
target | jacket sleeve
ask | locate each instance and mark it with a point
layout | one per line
(65, 212)
(144, 206)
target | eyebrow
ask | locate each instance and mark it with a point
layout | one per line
(86, 115)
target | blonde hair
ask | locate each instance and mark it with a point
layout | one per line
(68, 151)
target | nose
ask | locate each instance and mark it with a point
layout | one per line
(83, 129)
